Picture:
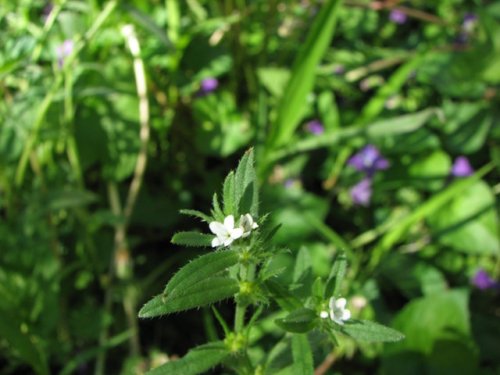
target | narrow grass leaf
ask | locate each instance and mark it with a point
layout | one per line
(196, 361)
(292, 105)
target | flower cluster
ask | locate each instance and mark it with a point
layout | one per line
(64, 50)
(337, 311)
(227, 232)
(483, 281)
(369, 161)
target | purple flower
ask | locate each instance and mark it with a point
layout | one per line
(398, 16)
(361, 193)
(368, 160)
(315, 127)
(483, 281)
(461, 167)
(64, 50)
(208, 85)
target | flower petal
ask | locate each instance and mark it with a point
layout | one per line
(229, 223)
(217, 228)
(236, 233)
(340, 303)
(216, 242)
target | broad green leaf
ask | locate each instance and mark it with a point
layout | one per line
(466, 127)
(203, 293)
(302, 355)
(64, 199)
(292, 105)
(195, 239)
(201, 269)
(228, 195)
(24, 344)
(196, 361)
(246, 192)
(365, 330)
(470, 222)
(299, 321)
(433, 318)
(336, 276)
(430, 171)
(425, 210)
(197, 214)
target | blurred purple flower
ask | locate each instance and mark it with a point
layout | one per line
(483, 281)
(361, 193)
(368, 160)
(64, 50)
(467, 28)
(208, 85)
(315, 127)
(398, 16)
(461, 167)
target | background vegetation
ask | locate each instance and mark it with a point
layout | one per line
(115, 115)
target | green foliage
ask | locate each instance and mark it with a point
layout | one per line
(196, 361)
(365, 330)
(212, 290)
(107, 132)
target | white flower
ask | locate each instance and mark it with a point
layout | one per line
(247, 224)
(225, 232)
(338, 313)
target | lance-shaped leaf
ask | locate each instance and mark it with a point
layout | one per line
(336, 276)
(210, 291)
(245, 186)
(198, 214)
(286, 300)
(299, 321)
(196, 361)
(201, 269)
(195, 239)
(365, 330)
(228, 195)
(302, 355)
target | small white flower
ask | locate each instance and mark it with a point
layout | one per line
(225, 232)
(338, 313)
(247, 224)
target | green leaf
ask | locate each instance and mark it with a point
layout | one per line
(197, 214)
(379, 129)
(470, 222)
(228, 195)
(365, 330)
(216, 210)
(377, 104)
(196, 361)
(303, 264)
(25, 345)
(292, 105)
(299, 321)
(246, 192)
(282, 296)
(195, 239)
(336, 276)
(203, 293)
(201, 269)
(425, 210)
(302, 355)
